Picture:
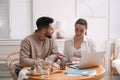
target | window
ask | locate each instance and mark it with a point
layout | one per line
(15, 19)
(4, 19)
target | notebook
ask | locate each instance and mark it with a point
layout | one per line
(81, 72)
(90, 60)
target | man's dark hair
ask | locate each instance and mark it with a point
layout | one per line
(81, 22)
(43, 22)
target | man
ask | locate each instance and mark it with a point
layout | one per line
(40, 45)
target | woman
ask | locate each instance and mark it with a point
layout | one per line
(80, 43)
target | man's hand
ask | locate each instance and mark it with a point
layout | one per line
(38, 61)
(62, 57)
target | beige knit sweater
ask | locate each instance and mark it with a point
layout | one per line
(32, 47)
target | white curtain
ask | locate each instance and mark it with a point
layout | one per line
(4, 19)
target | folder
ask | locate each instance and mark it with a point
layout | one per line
(81, 72)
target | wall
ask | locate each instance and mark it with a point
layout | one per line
(8, 46)
(60, 10)
(114, 19)
(97, 26)
(20, 18)
(65, 11)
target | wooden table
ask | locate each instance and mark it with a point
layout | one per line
(62, 76)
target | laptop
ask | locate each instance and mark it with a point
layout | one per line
(90, 60)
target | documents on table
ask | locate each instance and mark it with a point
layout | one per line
(80, 72)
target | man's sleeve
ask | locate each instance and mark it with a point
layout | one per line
(25, 54)
(54, 52)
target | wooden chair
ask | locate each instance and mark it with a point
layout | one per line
(112, 69)
(11, 60)
(114, 54)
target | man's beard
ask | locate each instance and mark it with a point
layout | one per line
(48, 35)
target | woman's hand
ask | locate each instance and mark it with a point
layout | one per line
(75, 59)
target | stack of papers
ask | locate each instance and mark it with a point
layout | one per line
(76, 62)
(69, 62)
(81, 72)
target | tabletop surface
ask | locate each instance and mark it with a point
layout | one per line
(60, 75)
